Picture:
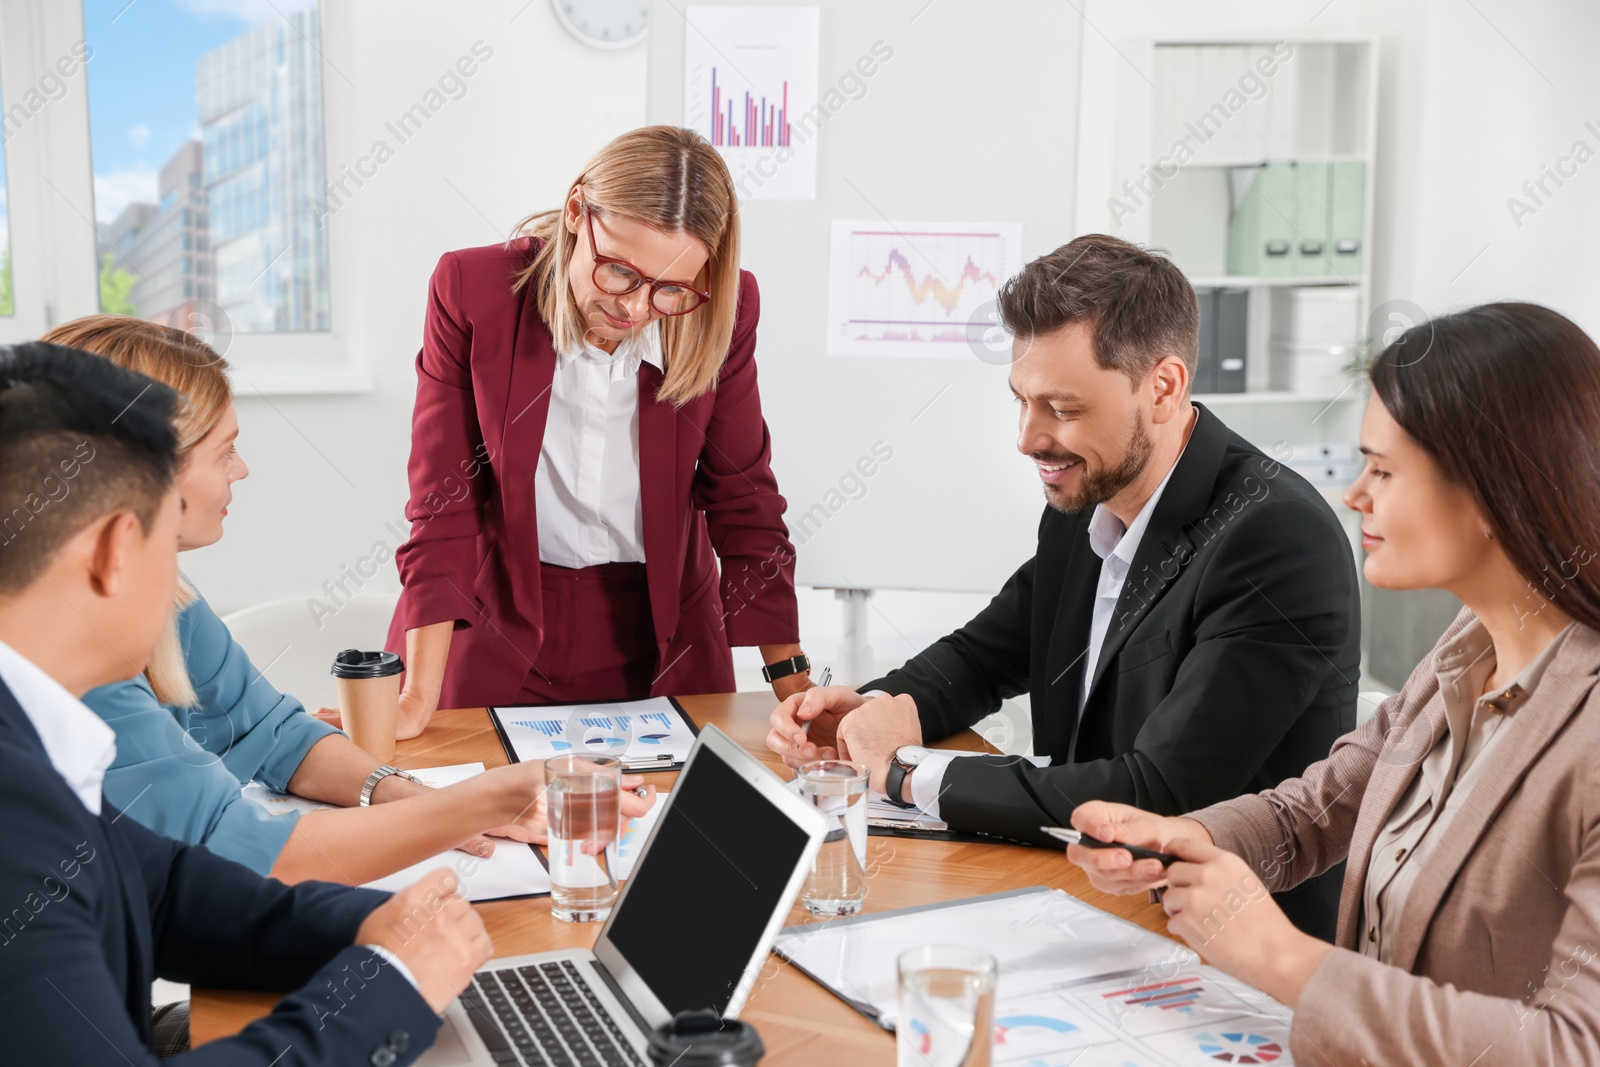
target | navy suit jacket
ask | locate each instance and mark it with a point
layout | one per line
(93, 907)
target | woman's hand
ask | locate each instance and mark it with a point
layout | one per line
(525, 788)
(416, 709)
(1223, 911)
(1114, 870)
(792, 685)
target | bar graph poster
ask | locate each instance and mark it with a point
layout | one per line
(917, 288)
(750, 87)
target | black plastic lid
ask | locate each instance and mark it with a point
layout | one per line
(703, 1039)
(353, 663)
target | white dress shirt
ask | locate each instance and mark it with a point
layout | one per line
(1116, 546)
(79, 743)
(586, 487)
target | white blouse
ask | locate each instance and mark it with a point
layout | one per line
(586, 487)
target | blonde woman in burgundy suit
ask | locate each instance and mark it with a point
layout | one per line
(587, 444)
(1468, 808)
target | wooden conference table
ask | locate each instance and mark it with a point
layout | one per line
(799, 1021)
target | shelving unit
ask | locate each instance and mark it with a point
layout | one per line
(1214, 105)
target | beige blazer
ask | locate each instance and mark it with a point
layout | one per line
(1495, 961)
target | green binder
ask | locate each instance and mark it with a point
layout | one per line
(1346, 209)
(1311, 252)
(1261, 232)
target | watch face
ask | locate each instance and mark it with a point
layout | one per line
(911, 755)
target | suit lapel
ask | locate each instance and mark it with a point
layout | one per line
(1557, 696)
(658, 446)
(1187, 496)
(528, 382)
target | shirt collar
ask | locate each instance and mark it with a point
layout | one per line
(1108, 536)
(79, 743)
(1468, 660)
(641, 346)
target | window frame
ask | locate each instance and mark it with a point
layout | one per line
(50, 176)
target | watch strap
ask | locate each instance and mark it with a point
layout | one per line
(894, 783)
(378, 775)
(785, 667)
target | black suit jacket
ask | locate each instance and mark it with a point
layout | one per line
(93, 907)
(1231, 661)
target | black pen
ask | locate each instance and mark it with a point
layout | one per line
(1078, 837)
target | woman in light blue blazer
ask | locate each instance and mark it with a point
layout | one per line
(202, 721)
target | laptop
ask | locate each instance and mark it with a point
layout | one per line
(712, 885)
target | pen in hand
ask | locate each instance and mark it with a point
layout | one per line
(1077, 837)
(827, 676)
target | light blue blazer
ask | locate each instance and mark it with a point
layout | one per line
(179, 770)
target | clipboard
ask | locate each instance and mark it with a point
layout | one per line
(509, 728)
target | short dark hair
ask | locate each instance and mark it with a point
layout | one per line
(1140, 305)
(80, 437)
(1506, 399)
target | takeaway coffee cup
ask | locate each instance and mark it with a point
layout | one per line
(703, 1039)
(369, 698)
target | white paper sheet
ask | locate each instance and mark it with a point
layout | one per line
(513, 871)
(1077, 986)
(635, 730)
(750, 88)
(924, 289)
(634, 834)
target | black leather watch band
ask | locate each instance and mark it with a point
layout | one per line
(785, 667)
(894, 782)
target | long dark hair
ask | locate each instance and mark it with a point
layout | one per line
(1506, 398)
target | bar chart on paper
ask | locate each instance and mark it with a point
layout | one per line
(750, 88)
(917, 288)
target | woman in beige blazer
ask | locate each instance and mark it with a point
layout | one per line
(1469, 806)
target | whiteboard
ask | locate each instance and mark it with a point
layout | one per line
(903, 473)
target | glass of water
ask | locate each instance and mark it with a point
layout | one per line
(946, 1007)
(584, 802)
(837, 884)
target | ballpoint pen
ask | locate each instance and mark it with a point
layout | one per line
(1077, 837)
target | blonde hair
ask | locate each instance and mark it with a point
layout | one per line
(671, 179)
(196, 371)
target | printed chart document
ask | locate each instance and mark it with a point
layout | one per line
(635, 832)
(515, 869)
(1076, 985)
(654, 734)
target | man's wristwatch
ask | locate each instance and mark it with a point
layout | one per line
(785, 667)
(379, 775)
(906, 759)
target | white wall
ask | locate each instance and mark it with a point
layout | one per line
(1509, 89)
(1466, 115)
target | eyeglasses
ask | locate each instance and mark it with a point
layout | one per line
(619, 277)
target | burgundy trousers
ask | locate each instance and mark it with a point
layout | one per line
(600, 643)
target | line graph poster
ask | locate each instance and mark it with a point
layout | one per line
(917, 288)
(750, 88)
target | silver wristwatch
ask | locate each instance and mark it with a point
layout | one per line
(379, 775)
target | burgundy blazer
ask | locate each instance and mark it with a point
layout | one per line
(483, 393)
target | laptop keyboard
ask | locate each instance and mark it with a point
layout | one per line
(545, 1014)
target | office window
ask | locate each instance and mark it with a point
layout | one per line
(220, 143)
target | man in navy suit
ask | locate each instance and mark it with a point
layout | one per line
(94, 906)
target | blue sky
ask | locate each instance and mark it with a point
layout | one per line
(141, 83)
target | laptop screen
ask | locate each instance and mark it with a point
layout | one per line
(718, 866)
